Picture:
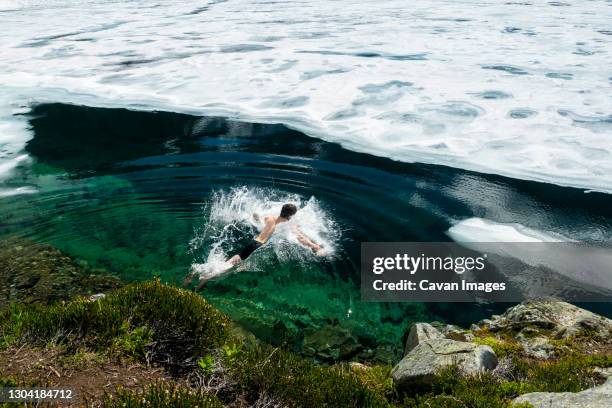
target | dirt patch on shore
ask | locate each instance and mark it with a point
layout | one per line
(90, 375)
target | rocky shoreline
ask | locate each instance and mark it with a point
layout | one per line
(145, 341)
(539, 330)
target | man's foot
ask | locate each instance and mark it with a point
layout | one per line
(188, 279)
(201, 284)
(319, 251)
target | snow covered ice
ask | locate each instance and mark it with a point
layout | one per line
(517, 88)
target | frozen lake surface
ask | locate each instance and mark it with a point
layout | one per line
(517, 88)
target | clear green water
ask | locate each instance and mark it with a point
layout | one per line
(128, 191)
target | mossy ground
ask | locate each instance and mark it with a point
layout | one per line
(203, 359)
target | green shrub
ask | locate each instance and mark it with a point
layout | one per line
(207, 364)
(378, 379)
(572, 373)
(132, 342)
(502, 348)
(170, 325)
(11, 323)
(162, 395)
(8, 382)
(299, 382)
(450, 389)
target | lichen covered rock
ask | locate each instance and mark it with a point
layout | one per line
(420, 332)
(598, 397)
(420, 365)
(560, 319)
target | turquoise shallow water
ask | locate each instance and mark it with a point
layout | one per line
(129, 192)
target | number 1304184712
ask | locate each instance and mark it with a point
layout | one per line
(16, 394)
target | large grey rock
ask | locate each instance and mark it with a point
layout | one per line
(537, 347)
(450, 331)
(535, 323)
(420, 332)
(561, 319)
(598, 397)
(426, 358)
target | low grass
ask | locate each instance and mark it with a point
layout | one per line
(299, 382)
(501, 347)
(571, 373)
(147, 321)
(451, 389)
(162, 395)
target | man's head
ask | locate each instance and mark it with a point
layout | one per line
(288, 211)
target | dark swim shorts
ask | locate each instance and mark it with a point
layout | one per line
(249, 248)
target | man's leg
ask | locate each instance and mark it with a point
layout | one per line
(234, 260)
(189, 278)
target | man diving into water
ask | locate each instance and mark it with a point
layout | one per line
(270, 222)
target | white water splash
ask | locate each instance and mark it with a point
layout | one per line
(229, 222)
(519, 88)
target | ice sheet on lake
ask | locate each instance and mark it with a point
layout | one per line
(583, 263)
(514, 88)
(481, 230)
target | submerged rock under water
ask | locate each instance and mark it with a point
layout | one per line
(38, 273)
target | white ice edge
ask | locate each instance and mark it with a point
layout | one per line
(482, 230)
(591, 265)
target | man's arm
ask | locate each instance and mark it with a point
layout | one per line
(304, 240)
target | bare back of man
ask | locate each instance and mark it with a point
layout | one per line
(270, 222)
